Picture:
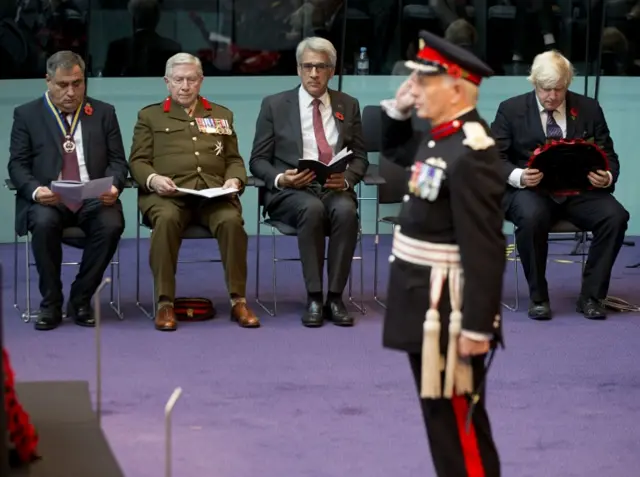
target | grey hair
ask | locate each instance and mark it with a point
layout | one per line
(469, 90)
(63, 60)
(182, 59)
(551, 70)
(317, 45)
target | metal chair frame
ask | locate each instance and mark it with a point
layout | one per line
(278, 228)
(559, 228)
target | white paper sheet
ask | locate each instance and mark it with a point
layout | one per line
(209, 193)
(73, 191)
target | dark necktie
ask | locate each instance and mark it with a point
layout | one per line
(553, 130)
(325, 152)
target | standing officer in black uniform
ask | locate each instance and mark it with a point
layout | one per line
(448, 253)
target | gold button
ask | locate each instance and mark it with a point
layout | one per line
(199, 169)
(167, 129)
(192, 123)
(194, 138)
(197, 153)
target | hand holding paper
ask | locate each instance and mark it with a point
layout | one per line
(72, 193)
(337, 165)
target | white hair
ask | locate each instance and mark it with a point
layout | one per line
(469, 90)
(182, 59)
(551, 70)
(317, 45)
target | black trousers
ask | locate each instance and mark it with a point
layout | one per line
(316, 213)
(103, 227)
(456, 451)
(533, 215)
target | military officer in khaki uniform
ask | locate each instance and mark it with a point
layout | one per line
(188, 142)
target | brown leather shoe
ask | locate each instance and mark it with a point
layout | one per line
(246, 318)
(166, 319)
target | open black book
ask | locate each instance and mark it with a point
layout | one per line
(337, 165)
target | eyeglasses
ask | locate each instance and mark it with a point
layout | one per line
(308, 67)
(178, 81)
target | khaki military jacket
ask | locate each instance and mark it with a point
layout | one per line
(196, 152)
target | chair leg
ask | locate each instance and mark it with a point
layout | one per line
(359, 305)
(376, 256)
(16, 306)
(115, 286)
(27, 315)
(271, 312)
(150, 315)
(515, 306)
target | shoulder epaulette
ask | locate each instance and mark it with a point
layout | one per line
(476, 136)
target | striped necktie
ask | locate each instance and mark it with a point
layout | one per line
(553, 130)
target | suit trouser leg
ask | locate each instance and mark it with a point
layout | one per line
(224, 219)
(168, 219)
(304, 211)
(343, 237)
(533, 214)
(46, 224)
(456, 451)
(103, 226)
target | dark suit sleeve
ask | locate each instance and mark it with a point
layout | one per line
(399, 141)
(235, 168)
(503, 135)
(264, 142)
(21, 158)
(359, 163)
(477, 190)
(603, 139)
(117, 167)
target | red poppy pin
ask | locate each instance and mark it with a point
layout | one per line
(340, 116)
(88, 110)
(574, 113)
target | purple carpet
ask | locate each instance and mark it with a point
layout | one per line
(286, 401)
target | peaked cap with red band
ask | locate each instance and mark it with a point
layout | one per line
(437, 56)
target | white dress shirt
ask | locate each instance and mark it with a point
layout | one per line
(309, 143)
(77, 138)
(390, 109)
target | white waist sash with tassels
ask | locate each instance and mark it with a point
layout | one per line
(444, 261)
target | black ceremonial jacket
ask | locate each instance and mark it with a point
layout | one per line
(467, 211)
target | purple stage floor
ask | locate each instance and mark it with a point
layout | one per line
(286, 401)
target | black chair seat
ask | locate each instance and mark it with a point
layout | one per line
(391, 220)
(283, 228)
(372, 177)
(196, 231)
(564, 227)
(73, 237)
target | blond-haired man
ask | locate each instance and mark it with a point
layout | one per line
(522, 124)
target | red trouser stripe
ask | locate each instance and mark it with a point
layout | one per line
(468, 439)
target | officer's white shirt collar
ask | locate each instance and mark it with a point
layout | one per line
(306, 99)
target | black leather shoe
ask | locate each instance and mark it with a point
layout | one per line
(540, 311)
(81, 315)
(591, 309)
(313, 317)
(48, 319)
(337, 312)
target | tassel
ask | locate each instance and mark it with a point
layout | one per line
(463, 377)
(455, 324)
(431, 380)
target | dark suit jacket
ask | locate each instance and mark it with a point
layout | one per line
(277, 145)
(36, 150)
(518, 130)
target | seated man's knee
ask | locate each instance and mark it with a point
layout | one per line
(618, 218)
(44, 219)
(112, 223)
(229, 219)
(344, 211)
(165, 218)
(534, 221)
(312, 211)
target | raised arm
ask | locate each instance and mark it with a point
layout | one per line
(399, 141)
(118, 167)
(477, 189)
(21, 158)
(261, 161)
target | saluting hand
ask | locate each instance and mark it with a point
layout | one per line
(405, 100)
(599, 179)
(162, 185)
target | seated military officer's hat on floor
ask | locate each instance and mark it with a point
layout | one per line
(437, 56)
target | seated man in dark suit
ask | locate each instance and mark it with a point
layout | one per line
(66, 135)
(522, 124)
(313, 122)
